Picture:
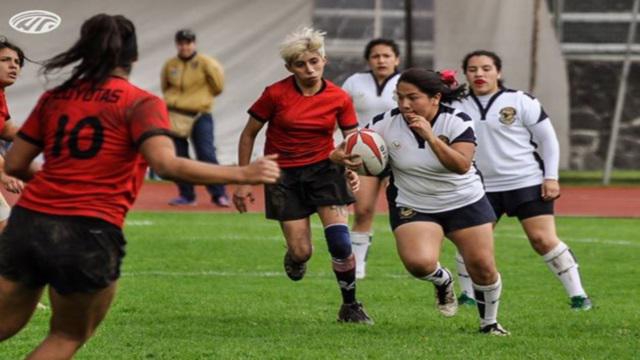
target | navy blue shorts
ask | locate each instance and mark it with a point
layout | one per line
(524, 203)
(300, 190)
(478, 213)
(73, 254)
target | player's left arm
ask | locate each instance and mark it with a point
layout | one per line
(539, 124)
(545, 136)
(19, 159)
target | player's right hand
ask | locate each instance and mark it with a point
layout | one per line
(242, 196)
(264, 170)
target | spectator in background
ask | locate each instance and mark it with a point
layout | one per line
(190, 81)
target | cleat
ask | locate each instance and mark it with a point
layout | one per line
(446, 301)
(222, 201)
(494, 329)
(354, 313)
(464, 299)
(295, 271)
(182, 201)
(579, 303)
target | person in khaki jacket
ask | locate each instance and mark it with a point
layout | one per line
(190, 81)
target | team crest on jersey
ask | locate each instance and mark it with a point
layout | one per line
(396, 144)
(444, 139)
(507, 115)
(406, 213)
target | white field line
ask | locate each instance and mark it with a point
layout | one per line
(263, 274)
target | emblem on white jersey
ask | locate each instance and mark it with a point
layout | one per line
(507, 115)
(396, 144)
(406, 213)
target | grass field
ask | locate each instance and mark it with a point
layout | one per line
(211, 286)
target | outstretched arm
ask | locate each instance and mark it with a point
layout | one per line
(161, 156)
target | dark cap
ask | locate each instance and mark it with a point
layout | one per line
(185, 35)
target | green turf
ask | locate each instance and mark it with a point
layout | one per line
(211, 286)
(594, 178)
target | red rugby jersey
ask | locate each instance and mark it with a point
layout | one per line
(4, 110)
(90, 141)
(301, 127)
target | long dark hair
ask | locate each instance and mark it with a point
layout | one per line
(106, 42)
(432, 82)
(6, 44)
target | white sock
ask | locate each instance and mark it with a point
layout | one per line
(488, 300)
(563, 264)
(439, 277)
(466, 286)
(360, 242)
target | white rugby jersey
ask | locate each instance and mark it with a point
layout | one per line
(423, 183)
(506, 152)
(369, 98)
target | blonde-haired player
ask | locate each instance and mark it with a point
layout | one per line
(301, 113)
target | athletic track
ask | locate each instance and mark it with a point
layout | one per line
(575, 201)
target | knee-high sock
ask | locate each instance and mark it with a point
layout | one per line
(488, 300)
(342, 260)
(563, 264)
(360, 242)
(466, 286)
(439, 277)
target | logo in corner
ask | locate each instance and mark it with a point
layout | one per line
(35, 21)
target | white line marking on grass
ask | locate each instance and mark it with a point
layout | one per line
(139, 223)
(264, 274)
(604, 241)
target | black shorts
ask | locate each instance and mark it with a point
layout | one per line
(70, 253)
(524, 203)
(300, 190)
(478, 213)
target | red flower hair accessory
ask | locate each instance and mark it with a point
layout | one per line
(448, 77)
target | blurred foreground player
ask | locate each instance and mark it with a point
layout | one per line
(97, 133)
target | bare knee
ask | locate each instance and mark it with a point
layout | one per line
(420, 267)
(482, 271)
(542, 242)
(363, 216)
(301, 252)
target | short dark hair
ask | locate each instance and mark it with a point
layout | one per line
(185, 35)
(380, 41)
(6, 44)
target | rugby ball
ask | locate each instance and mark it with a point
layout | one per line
(372, 150)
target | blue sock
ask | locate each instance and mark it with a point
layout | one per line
(343, 261)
